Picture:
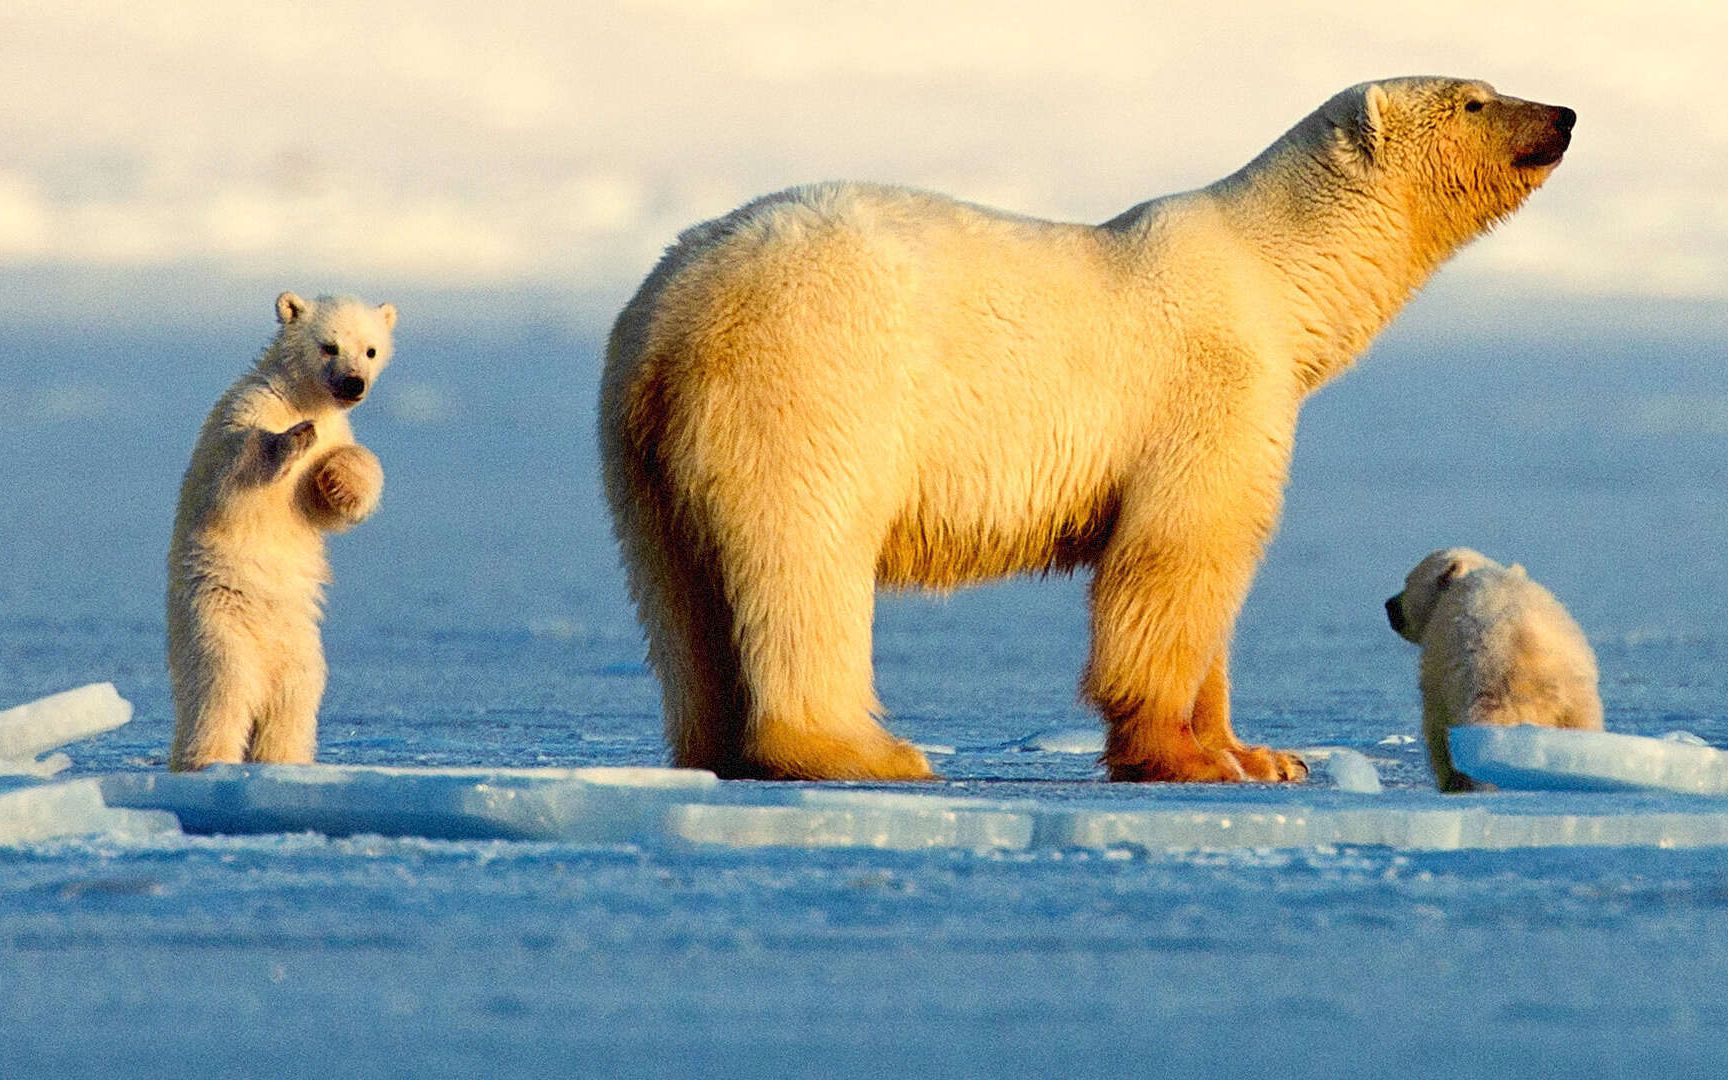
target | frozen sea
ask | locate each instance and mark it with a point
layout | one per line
(479, 619)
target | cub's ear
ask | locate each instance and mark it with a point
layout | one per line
(290, 307)
(1451, 573)
(388, 313)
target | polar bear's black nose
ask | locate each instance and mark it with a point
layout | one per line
(1565, 118)
(1395, 615)
(349, 387)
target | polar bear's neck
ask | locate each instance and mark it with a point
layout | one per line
(1350, 256)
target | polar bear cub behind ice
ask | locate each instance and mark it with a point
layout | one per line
(275, 467)
(1497, 648)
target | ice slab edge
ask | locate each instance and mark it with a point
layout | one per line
(690, 807)
(29, 729)
(1530, 758)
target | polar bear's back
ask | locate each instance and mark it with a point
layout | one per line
(970, 372)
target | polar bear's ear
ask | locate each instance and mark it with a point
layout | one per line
(1371, 121)
(387, 312)
(290, 307)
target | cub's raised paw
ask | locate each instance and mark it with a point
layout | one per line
(343, 487)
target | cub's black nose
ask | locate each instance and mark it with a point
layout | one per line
(349, 388)
(1395, 615)
(1565, 119)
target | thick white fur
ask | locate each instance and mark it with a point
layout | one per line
(1497, 648)
(275, 467)
(843, 386)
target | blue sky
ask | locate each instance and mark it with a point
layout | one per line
(192, 158)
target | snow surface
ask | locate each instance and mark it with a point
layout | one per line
(1531, 758)
(479, 622)
(1087, 740)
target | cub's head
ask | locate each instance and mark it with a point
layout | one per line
(334, 346)
(1410, 610)
(1458, 154)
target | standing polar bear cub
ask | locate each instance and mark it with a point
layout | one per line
(275, 467)
(1497, 648)
(846, 386)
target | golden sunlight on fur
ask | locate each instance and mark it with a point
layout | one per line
(275, 467)
(846, 386)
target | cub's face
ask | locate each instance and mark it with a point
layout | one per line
(336, 346)
(1410, 611)
(1460, 154)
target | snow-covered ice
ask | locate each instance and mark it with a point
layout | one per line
(46, 723)
(1531, 758)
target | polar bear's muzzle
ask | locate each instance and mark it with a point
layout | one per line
(346, 387)
(1395, 614)
(1549, 134)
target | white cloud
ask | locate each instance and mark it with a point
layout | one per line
(447, 144)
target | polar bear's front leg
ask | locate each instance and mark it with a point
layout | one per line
(1212, 728)
(342, 488)
(1163, 607)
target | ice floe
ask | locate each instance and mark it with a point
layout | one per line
(684, 807)
(31, 811)
(595, 805)
(1530, 758)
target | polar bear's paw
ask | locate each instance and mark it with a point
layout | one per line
(343, 487)
(1196, 765)
(809, 755)
(1268, 765)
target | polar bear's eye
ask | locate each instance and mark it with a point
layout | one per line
(371, 352)
(330, 348)
(1472, 106)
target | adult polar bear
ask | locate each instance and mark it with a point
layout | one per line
(844, 386)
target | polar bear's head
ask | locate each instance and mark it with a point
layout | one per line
(1410, 610)
(333, 347)
(1458, 155)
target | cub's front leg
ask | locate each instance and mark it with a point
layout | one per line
(342, 488)
(265, 456)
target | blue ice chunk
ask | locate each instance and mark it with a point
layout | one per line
(29, 729)
(1353, 772)
(1531, 758)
